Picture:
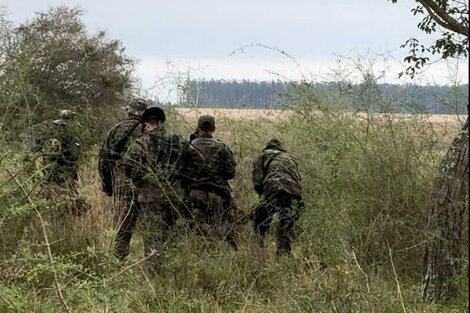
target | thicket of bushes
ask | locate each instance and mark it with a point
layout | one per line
(359, 243)
(358, 247)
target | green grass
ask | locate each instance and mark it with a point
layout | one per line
(366, 187)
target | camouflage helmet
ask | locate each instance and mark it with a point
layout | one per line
(138, 106)
(67, 114)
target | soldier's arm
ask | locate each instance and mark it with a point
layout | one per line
(229, 164)
(258, 174)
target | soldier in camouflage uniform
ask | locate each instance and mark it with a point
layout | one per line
(53, 166)
(209, 163)
(57, 152)
(59, 148)
(113, 182)
(152, 163)
(277, 180)
(117, 141)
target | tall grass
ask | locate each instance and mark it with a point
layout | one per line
(358, 245)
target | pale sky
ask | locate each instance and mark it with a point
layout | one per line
(181, 36)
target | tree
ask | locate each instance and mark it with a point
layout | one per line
(52, 62)
(444, 252)
(450, 19)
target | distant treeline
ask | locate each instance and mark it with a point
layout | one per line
(368, 95)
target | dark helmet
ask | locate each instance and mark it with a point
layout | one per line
(153, 114)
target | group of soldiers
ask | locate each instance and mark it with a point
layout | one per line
(155, 178)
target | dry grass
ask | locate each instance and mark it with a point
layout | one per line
(445, 126)
(356, 185)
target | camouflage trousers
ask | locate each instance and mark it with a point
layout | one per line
(156, 211)
(126, 212)
(288, 207)
(214, 215)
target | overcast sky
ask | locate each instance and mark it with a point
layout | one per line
(174, 36)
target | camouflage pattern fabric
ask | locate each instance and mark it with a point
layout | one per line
(116, 184)
(275, 170)
(151, 164)
(57, 150)
(113, 149)
(209, 164)
(288, 207)
(155, 158)
(276, 178)
(213, 217)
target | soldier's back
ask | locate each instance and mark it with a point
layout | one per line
(209, 155)
(112, 150)
(281, 173)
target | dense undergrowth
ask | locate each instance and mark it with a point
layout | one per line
(358, 246)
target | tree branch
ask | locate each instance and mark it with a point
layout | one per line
(441, 17)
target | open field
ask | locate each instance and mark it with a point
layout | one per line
(253, 114)
(445, 126)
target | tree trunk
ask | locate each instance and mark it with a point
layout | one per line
(444, 252)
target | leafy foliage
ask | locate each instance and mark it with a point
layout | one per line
(450, 19)
(52, 62)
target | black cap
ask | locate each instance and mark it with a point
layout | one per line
(153, 114)
(206, 121)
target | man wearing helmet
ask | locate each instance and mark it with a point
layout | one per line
(53, 167)
(57, 146)
(113, 182)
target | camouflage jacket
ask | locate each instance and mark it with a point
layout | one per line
(209, 163)
(58, 146)
(154, 159)
(275, 170)
(113, 148)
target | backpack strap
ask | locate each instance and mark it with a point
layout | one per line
(121, 143)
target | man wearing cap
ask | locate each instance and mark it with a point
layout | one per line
(152, 163)
(277, 180)
(209, 164)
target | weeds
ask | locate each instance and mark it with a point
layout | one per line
(365, 180)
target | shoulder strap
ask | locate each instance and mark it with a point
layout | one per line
(121, 143)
